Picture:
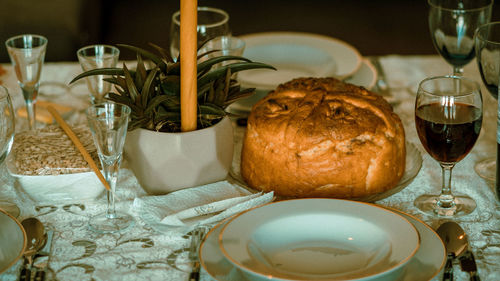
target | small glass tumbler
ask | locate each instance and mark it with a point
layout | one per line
(108, 123)
(93, 57)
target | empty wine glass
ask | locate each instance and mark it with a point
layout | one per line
(98, 56)
(27, 53)
(7, 128)
(108, 123)
(452, 24)
(212, 22)
(448, 118)
(487, 40)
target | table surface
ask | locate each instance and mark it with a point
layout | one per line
(143, 254)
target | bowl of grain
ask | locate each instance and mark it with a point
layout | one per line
(48, 167)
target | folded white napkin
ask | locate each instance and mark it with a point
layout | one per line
(181, 211)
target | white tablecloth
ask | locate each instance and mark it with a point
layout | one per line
(143, 254)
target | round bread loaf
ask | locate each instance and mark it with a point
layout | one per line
(320, 137)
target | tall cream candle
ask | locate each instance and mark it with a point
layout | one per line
(188, 49)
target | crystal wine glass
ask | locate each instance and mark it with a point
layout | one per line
(212, 22)
(98, 56)
(452, 24)
(108, 123)
(27, 53)
(448, 118)
(487, 40)
(7, 128)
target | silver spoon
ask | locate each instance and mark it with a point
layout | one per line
(455, 241)
(36, 238)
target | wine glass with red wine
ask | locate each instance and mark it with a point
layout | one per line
(452, 24)
(487, 44)
(448, 118)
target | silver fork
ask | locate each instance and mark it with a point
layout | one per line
(381, 84)
(196, 237)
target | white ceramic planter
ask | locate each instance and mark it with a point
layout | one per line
(165, 162)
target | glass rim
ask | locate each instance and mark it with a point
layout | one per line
(44, 40)
(432, 4)
(477, 35)
(125, 109)
(111, 47)
(454, 77)
(176, 19)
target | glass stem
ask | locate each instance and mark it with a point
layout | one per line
(458, 71)
(446, 199)
(111, 176)
(30, 107)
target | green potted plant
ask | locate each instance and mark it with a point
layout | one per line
(163, 158)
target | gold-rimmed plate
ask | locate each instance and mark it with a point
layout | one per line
(12, 240)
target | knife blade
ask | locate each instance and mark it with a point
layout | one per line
(41, 259)
(468, 264)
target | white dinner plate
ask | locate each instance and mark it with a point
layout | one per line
(425, 265)
(320, 239)
(295, 55)
(366, 76)
(12, 240)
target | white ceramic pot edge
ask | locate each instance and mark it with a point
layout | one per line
(165, 162)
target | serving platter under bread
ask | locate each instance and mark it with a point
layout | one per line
(321, 137)
(413, 165)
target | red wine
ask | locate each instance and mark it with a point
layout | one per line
(448, 133)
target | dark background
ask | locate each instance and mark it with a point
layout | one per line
(374, 27)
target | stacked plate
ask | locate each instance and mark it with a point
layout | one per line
(299, 55)
(12, 240)
(322, 239)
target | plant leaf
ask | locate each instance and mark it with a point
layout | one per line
(141, 74)
(130, 84)
(210, 109)
(98, 71)
(235, 67)
(147, 86)
(171, 85)
(239, 95)
(156, 101)
(206, 65)
(124, 100)
(147, 54)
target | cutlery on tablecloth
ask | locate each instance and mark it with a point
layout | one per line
(468, 264)
(36, 240)
(41, 259)
(452, 235)
(381, 85)
(196, 238)
(457, 244)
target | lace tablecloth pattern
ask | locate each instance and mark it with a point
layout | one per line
(145, 254)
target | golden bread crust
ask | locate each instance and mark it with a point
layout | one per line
(320, 137)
